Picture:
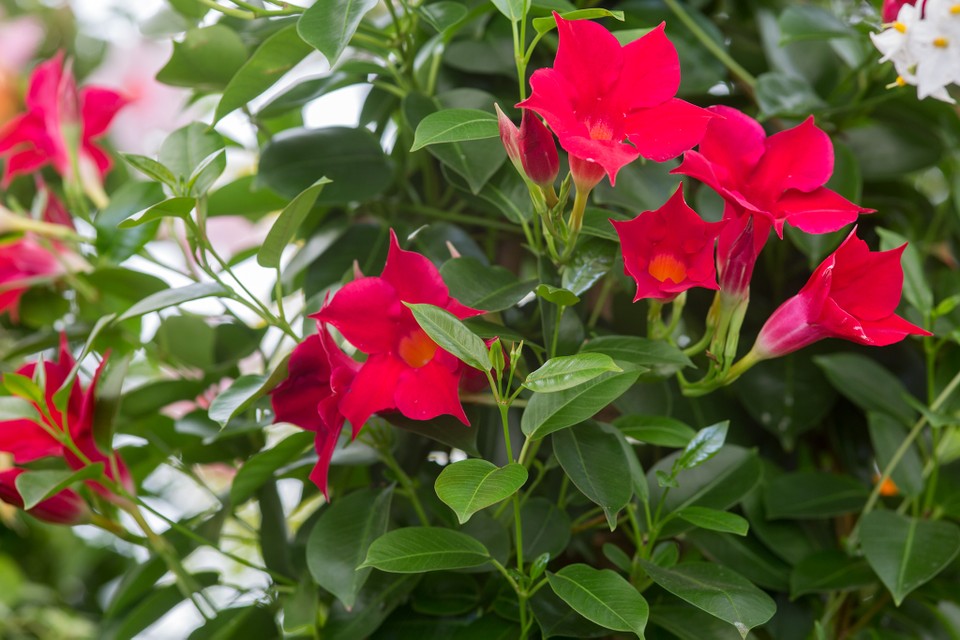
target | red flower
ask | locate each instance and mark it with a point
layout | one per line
(20, 262)
(598, 94)
(63, 507)
(319, 374)
(530, 148)
(27, 440)
(891, 8)
(669, 250)
(777, 179)
(54, 106)
(405, 369)
(852, 295)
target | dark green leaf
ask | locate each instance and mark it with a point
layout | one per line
(328, 25)
(915, 287)
(812, 494)
(664, 359)
(867, 384)
(482, 287)
(887, 435)
(420, 549)
(660, 431)
(109, 392)
(564, 372)
(286, 225)
(594, 460)
(549, 412)
(715, 520)
(449, 332)
(546, 528)
(206, 60)
(261, 467)
(601, 596)
(36, 486)
(828, 571)
(556, 295)
(471, 485)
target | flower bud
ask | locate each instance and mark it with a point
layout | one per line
(64, 507)
(509, 135)
(586, 173)
(538, 151)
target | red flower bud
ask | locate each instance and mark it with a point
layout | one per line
(508, 136)
(538, 151)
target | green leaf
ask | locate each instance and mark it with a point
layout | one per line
(449, 332)
(351, 158)
(827, 571)
(628, 351)
(238, 397)
(186, 148)
(556, 295)
(906, 552)
(703, 446)
(455, 125)
(806, 22)
(782, 94)
(443, 15)
(564, 372)
(278, 54)
(687, 623)
(915, 283)
(206, 60)
(718, 483)
(545, 527)
(867, 384)
(601, 596)
(329, 25)
(545, 25)
(262, 466)
(420, 549)
(715, 520)
(206, 173)
(341, 538)
(108, 395)
(286, 225)
(36, 486)
(592, 260)
(253, 621)
(17, 408)
(751, 558)
(812, 494)
(887, 435)
(151, 168)
(513, 9)
(717, 590)
(179, 207)
(549, 412)
(592, 457)
(471, 485)
(483, 287)
(171, 297)
(659, 431)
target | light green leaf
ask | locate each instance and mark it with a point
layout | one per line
(547, 24)
(207, 59)
(455, 125)
(907, 552)
(241, 394)
(419, 549)
(513, 9)
(564, 372)
(471, 485)
(36, 486)
(17, 409)
(329, 25)
(151, 168)
(260, 467)
(593, 458)
(285, 226)
(715, 520)
(660, 431)
(171, 297)
(703, 446)
(717, 590)
(179, 207)
(549, 412)
(557, 296)
(449, 332)
(601, 596)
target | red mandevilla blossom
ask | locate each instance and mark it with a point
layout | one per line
(27, 440)
(891, 8)
(319, 375)
(63, 507)
(599, 94)
(852, 295)
(669, 250)
(21, 261)
(37, 138)
(530, 148)
(405, 369)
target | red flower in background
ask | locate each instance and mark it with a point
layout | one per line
(852, 295)
(891, 8)
(600, 94)
(319, 375)
(27, 440)
(669, 250)
(63, 507)
(54, 106)
(777, 179)
(405, 370)
(21, 261)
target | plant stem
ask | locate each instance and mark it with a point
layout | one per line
(710, 44)
(406, 483)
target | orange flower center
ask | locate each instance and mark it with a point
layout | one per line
(417, 348)
(665, 266)
(601, 131)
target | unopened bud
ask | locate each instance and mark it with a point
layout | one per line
(538, 151)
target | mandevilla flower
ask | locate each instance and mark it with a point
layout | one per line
(892, 7)
(21, 261)
(669, 250)
(27, 440)
(63, 507)
(61, 121)
(530, 148)
(852, 295)
(319, 375)
(599, 95)
(405, 369)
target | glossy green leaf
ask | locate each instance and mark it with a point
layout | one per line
(36, 486)
(184, 150)
(108, 395)
(601, 596)
(659, 431)
(827, 571)
(546, 528)
(813, 494)
(752, 559)
(179, 207)
(471, 485)
(286, 225)
(483, 287)
(455, 125)
(545, 25)
(557, 295)
(887, 436)
(235, 399)
(916, 289)
(629, 351)
(717, 590)
(172, 297)
(564, 372)
(702, 447)
(328, 25)
(549, 412)
(443, 15)
(718, 483)
(715, 520)
(151, 168)
(341, 538)
(512, 9)
(449, 332)
(867, 384)
(906, 552)
(206, 59)
(262, 466)
(419, 549)
(277, 55)
(594, 460)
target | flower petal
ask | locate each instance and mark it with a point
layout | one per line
(651, 71)
(734, 141)
(366, 312)
(798, 158)
(414, 278)
(430, 391)
(373, 390)
(589, 57)
(610, 155)
(99, 106)
(668, 129)
(817, 211)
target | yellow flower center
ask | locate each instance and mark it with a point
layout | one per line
(899, 26)
(417, 349)
(900, 82)
(941, 42)
(955, 9)
(601, 131)
(665, 266)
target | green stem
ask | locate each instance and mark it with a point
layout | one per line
(605, 290)
(450, 216)
(710, 44)
(406, 483)
(227, 11)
